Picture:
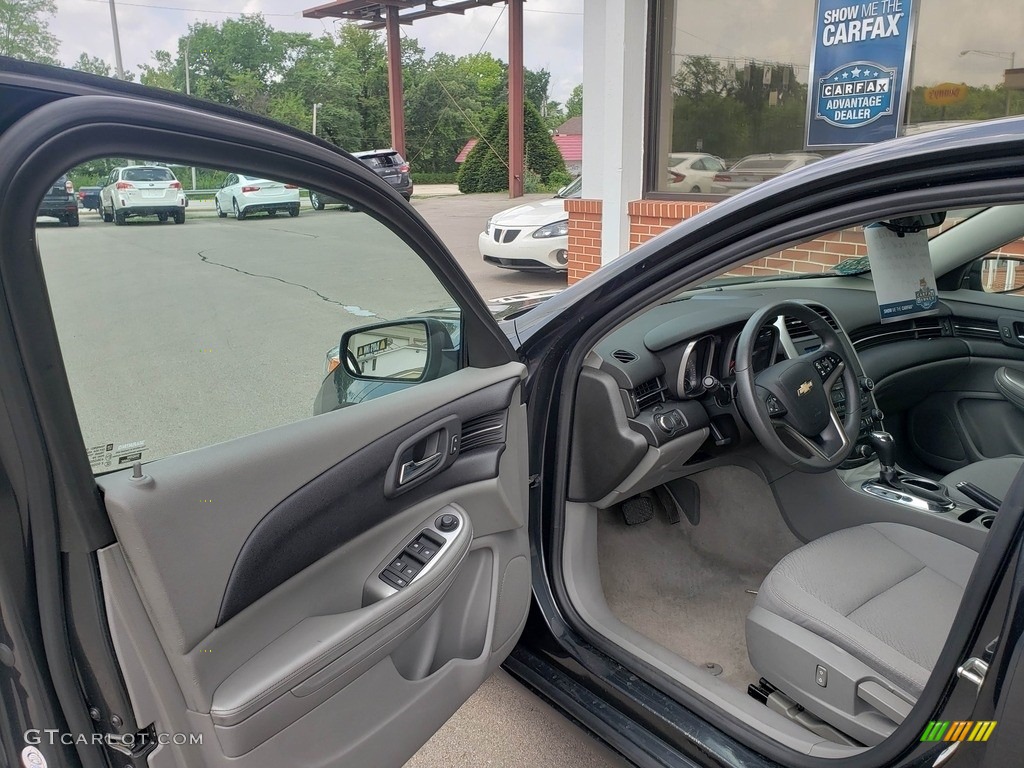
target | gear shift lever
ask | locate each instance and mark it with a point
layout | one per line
(885, 447)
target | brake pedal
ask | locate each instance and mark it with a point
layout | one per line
(639, 509)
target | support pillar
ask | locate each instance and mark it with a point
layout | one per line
(395, 88)
(516, 129)
(614, 112)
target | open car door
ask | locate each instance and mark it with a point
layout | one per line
(246, 584)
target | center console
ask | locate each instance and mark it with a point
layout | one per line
(888, 482)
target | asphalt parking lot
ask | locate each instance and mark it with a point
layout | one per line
(239, 315)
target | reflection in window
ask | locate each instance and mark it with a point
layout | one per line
(731, 84)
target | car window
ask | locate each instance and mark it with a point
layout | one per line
(178, 336)
(147, 174)
(384, 160)
(698, 165)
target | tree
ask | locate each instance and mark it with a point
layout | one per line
(94, 65)
(574, 104)
(25, 31)
(486, 167)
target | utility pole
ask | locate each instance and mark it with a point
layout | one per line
(316, 106)
(188, 91)
(117, 41)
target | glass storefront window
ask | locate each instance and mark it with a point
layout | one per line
(729, 83)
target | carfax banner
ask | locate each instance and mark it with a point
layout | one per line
(860, 65)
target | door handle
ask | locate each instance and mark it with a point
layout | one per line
(413, 469)
(423, 455)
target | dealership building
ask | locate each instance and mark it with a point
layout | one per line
(787, 80)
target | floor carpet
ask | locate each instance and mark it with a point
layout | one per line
(685, 586)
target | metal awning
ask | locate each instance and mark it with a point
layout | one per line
(373, 15)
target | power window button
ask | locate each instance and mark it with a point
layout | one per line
(393, 579)
(405, 566)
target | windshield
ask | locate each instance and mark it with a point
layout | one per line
(573, 189)
(838, 253)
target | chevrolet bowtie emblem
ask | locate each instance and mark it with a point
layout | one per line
(804, 388)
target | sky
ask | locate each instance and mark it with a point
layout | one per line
(778, 30)
(552, 30)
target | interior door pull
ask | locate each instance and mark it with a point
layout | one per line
(413, 469)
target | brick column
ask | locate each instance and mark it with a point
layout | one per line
(584, 237)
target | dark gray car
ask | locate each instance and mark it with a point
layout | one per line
(386, 163)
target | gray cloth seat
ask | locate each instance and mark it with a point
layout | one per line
(992, 475)
(865, 604)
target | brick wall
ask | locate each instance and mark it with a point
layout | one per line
(584, 237)
(649, 218)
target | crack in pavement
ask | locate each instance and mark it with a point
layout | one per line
(293, 232)
(352, 309)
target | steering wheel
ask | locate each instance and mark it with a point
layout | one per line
(793, 399)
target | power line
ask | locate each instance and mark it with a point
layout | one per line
(496, 20)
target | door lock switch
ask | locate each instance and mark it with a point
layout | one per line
(393, 579)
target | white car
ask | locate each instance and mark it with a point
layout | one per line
(142, 190)
(693, 171)
(534, 236)
(244, 195)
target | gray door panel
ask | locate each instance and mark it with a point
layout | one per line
(318, 623)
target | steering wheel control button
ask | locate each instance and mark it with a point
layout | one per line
(446, 523)
(775, 406)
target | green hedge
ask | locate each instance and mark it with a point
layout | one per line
(447, 177)
(486, 167)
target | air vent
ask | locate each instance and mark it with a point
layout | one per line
(483, 430)
(623, 355)
(976, 328)
(904, 330)
(648, 393)
(798, 328)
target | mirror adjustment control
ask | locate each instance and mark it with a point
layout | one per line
(447, 523)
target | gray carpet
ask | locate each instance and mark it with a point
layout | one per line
(683, 586)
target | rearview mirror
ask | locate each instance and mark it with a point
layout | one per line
(404, 350)
(906, 224)
(1000, 274)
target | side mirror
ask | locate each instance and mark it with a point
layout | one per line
(999, 274)
(403, 350)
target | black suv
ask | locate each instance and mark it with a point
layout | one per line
(60, 202)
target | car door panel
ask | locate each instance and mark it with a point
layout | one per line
(302, 655)
(964, 418)
(313, 616)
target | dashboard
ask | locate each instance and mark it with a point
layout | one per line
(660, 392)
(657, 396)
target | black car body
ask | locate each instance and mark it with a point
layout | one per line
(60, 202)
(485, 458)
(89, 198)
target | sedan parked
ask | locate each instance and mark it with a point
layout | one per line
(243, 196)
(533, 236)
(692, 171)
(753, 169)
(89, 198)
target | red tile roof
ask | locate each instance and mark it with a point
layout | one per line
(571, 148)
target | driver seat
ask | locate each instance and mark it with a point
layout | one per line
(850, 625)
